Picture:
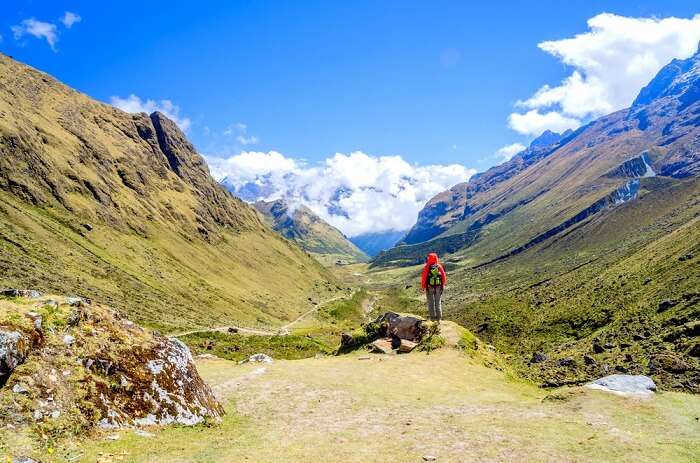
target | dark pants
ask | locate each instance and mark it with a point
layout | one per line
(434, 296)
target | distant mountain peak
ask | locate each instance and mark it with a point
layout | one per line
(680, 78)
(547, 138)
(297, 222)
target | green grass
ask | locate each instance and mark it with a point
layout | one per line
(239, 347)
(321, 410)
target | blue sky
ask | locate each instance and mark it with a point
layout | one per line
(431, 81)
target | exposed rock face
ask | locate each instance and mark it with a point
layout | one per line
(112, 373)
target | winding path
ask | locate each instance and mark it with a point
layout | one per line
(281, 331)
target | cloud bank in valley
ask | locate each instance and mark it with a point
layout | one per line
(611, 63)
(356, 192)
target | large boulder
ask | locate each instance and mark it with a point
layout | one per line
(624, 384)
(86, 366)
(403, 327)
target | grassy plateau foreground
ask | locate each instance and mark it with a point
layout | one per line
(402, 408)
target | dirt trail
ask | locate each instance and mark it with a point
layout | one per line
(281, 331)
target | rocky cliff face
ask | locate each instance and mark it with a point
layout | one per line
(68, 364)
(120, 206)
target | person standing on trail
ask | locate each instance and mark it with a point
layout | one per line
(433, 282)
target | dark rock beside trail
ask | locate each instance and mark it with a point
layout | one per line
(403, 327)
(538, 357)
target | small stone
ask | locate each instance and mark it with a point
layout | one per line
(36, 319)
(364, 357)
(38, 415)
(646, 281)
(566, 362)
(74, 301)
(55, 414)
(260, 358)
(68, 340)
(142, 433)
(665, 305)
(609, 345)
(382, 346)
(19, 389)
(232, 329)
(638, 337)
(429, 458)
(538, 357)
(598, 349)
(588, 360)
(407, 346)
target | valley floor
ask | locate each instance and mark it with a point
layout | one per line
(404, 408)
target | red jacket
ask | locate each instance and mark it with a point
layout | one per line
(432, 259)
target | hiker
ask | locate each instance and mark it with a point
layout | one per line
(433, 282)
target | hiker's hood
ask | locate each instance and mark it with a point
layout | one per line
(433, 258)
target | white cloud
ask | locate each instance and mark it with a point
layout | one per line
(243, 140)
(240, 130)
(38, 29)
(134, 104)
(355, 192)
(534, 122)
(509, 151)
(70, 18)
(611, 63)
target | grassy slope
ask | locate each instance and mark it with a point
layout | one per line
(600, 283)
(251, 277)
(350, 410)
(169, 246)
(311, 232)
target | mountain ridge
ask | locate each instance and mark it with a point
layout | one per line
(120, 206)
(300, 224)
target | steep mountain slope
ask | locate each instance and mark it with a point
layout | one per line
(311, 232)
(585, 250)
(372, 243)
(546, 190)
(119, 206)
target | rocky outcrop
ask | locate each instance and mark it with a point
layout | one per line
(84, 365)
(14, 348)
(390, 333)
